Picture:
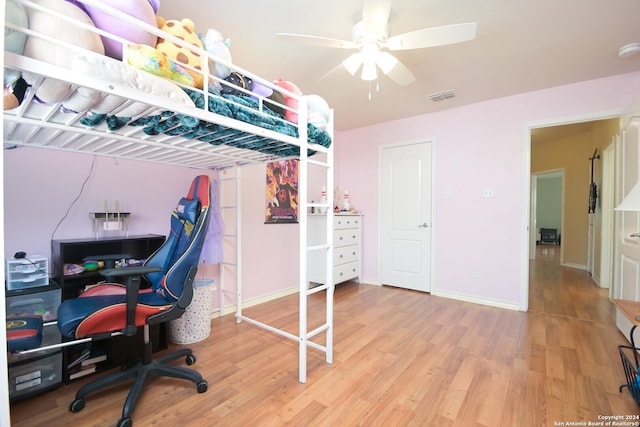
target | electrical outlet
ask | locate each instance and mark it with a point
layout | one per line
(488, 192)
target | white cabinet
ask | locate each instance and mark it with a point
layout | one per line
(347, 248)
(28, 272)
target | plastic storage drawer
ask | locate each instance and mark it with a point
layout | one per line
(50, 335)
(27, 272)
(26, 379)
(41, 301)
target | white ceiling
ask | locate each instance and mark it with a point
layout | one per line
(520, 46)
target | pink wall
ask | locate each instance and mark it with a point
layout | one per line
(476, 146)
(41, 185)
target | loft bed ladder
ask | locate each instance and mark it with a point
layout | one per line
(230, 267)
(304, 337)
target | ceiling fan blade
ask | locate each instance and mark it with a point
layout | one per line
(316, 41)
(401, 75)
(375, 15)
(334, 71)
(436, 36)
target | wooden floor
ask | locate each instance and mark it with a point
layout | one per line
(402, 358)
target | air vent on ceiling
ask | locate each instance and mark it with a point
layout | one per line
(437, 97)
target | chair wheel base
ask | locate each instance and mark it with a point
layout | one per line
(190, 359)
(202, 386)
(124, 422)
(76, 405)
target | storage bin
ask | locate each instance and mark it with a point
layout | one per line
(50, 335)
(195, 324)
(35, 376)
(629, 357)
(28, 272)
(34, 301)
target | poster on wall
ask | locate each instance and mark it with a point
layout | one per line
(282, 192)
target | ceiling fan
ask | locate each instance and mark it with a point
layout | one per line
(371, 38)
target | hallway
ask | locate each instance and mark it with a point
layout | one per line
(565, 291)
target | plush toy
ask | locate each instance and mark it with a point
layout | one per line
(214, 44)
(318, 111)
(290, 102)
(143, 10)
(185, 30)
(14, 42)
(14, 94)
(237, 80)
(153, 61)
(52, 90)
(276, 102)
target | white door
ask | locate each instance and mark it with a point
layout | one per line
(628, 222)
(405, 216)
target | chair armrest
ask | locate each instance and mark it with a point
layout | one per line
(132, 282)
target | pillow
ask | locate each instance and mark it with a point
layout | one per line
(14, 41)
(52, 90)
(188, 209)
(144, 10)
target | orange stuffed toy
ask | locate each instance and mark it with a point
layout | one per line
(186, 31)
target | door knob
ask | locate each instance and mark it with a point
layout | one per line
(425, 225)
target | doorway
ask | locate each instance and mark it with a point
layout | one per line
(547, 200)
(406, 212)
(594, 131)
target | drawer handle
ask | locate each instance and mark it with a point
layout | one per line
(340, 237)
(341, 256)
(341, 273)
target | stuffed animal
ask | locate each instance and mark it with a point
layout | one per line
(291, 102)
(318, 111)
(185, 30)
(214, 44)
(52, 90)
(153, 61)
(143, 10)
(237, 80)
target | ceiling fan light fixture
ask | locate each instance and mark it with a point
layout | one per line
(386, 62)
(369, 71)
(352, 63)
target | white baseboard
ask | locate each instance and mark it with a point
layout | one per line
(572, 265)
(474, 299)
(231, 308)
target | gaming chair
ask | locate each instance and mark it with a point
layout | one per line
(108, 308)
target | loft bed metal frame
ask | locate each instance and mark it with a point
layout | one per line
(46, 126)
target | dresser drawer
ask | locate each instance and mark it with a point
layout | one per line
(346, 254)
(345, 272)
(346, 221)
(345, 237)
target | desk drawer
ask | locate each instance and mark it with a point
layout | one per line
(346, 254)
(345, 272)
(346, 221)
(30, 378)
(350, 236)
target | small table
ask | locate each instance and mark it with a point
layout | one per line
(631, 310)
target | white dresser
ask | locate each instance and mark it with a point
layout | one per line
(347, 248)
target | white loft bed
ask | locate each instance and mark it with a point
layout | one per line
(184, 134)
